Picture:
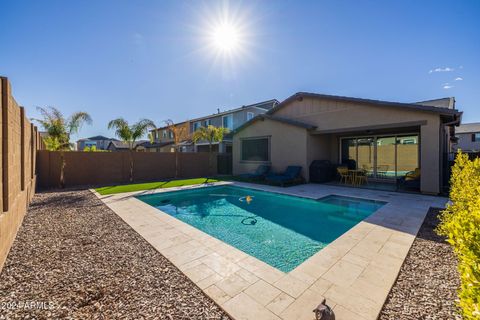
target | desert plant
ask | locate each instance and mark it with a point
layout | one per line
(460, 223)
(212, 135)
(130, 134)
(59, 129)
(179, 134)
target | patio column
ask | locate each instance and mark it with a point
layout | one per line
(430, 157)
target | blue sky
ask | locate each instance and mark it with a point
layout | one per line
(151, 59)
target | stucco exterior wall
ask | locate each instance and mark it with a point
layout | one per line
(334, 118)
(288, 146)
(319, 147)
(335, 115)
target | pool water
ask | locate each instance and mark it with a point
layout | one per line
(280, 230)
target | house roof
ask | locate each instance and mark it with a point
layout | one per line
(421, 106)
(468, 128)
(148, 144)
(262, 117)
(101, 138)
(124, 145)
(97, 138)
(265, 105)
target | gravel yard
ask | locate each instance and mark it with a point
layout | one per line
(426, 287)
(75, 258)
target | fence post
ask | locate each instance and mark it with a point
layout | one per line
(22, 148)
(32, 151)
(5, 189)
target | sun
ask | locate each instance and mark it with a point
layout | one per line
(225, 37)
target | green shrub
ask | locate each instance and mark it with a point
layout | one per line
(460, 223)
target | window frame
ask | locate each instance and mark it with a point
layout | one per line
(476, 137)
(195, 127)
(227, 116)
(250, 117)
(269, 149)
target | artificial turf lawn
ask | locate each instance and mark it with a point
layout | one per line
(152, 185)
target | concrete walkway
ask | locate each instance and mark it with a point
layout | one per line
(354, 273)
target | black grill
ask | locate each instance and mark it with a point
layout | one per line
(322, 171)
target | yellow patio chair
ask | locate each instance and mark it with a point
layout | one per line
(344, 174)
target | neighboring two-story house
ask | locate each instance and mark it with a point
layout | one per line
(100, 142)
(163, 138)
(468, 137)
(230, 119)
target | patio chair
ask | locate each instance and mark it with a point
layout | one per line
(344, 174)
(291, 175)
(259, 173)
(360, 177)
(410, 179)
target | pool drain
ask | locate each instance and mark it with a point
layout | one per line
(249, 221)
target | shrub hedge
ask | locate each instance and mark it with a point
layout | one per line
(460, 223)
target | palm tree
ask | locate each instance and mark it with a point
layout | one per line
(130, 134)
(179, 134)
(210, 134)
(59, 129)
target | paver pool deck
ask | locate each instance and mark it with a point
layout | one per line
(354, 273)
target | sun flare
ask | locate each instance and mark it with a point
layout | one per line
(225, 37)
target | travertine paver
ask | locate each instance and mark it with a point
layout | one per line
(354, 273)
(280, 303)
(263, 292)
(244, 307)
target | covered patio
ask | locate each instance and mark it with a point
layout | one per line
(386, 158)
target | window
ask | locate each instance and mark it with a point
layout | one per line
(90, 143)
(164, 133)
(206, 123)
(250, 115)
(196, 126)
(170, 134)
(227, 121)
(257, 149)
(476, 137)
(383, 157)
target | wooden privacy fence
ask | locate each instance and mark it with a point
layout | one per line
(19, 142)
(105, 168)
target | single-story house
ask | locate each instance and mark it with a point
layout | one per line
(387, 139)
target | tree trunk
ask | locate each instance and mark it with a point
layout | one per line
(176, 162)
(131, 165)
(62, 169)
(209, 159)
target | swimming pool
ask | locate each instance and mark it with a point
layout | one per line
(278, 229)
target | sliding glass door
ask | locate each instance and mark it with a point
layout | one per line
(407, 154)
(366, 155)
(386, 158)
(382, 157)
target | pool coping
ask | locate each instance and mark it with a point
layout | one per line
(354, 273)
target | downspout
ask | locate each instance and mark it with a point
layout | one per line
(445, 166)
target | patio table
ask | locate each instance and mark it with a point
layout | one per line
(353, 175)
